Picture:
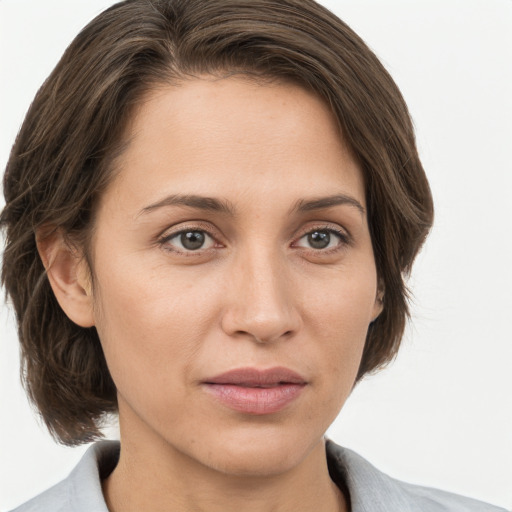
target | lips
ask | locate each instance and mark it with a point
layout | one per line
(254, 391)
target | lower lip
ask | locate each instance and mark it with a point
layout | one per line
(256, 400)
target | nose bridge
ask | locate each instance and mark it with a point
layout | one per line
(260, 303)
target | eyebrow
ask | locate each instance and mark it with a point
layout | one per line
(323, 203)
(211, 204)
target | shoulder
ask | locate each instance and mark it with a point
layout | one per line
(372, 490)
(81, 490)
(55, 499)
(439, 500)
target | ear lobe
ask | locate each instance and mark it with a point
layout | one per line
(68, 275)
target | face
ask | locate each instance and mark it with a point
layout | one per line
(234, 274)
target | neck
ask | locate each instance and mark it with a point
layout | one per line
(167, 480)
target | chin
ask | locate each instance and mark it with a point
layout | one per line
(267, 453)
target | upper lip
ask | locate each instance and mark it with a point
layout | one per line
(255, 377)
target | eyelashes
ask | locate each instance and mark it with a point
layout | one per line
(190, 240)
(198, 240)
(322, 239)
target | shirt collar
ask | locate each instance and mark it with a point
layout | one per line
(369, 489)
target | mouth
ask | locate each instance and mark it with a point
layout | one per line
(255, 391)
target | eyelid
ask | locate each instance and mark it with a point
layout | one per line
(170, 233)
(176, 230)
(343, 234)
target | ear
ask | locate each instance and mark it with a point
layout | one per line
(69, 276)
(378, 305)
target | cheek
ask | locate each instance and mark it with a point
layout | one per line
(150, 322)
(337, 317)
(342, 305)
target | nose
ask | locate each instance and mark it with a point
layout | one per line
(260, 300)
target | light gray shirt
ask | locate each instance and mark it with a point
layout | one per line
(369, 489)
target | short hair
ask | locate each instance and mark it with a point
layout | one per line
(61, 162)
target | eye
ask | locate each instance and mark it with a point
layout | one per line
(321, 239)
(189, 240)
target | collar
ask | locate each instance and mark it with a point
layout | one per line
(369, 489)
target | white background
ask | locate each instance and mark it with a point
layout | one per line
(442, 414)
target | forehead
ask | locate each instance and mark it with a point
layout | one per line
(234, 136)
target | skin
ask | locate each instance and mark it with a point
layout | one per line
(257, 294)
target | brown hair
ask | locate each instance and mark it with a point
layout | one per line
(60, 163)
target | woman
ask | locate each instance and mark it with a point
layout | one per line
(210, 210)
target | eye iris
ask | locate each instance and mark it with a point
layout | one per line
(192, 240)
(319, 239)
